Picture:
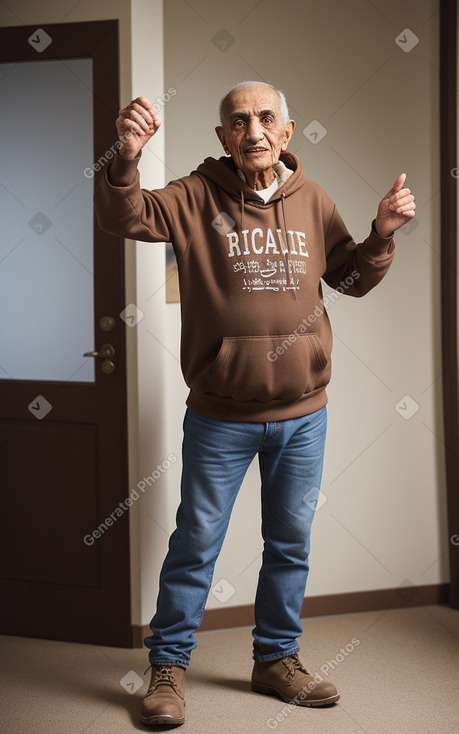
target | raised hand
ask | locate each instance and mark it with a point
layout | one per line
(395, 209)
(136, 125)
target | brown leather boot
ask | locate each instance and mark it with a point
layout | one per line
(289, 679)
(164, 702)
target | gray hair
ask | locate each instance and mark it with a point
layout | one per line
(281, 95)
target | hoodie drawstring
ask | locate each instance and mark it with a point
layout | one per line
(286, 257)
(284, 250)
(282, 198)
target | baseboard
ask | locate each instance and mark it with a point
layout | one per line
(320, 606)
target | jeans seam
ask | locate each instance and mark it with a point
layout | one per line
(166, 662)
(273, 437)
(278, 656)
(209, 585)
(267, 551)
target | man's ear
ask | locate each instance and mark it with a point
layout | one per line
(221, 136)
(289, 128)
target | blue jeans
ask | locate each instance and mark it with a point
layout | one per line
(216, 456)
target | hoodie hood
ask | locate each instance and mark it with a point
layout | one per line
(224, 173)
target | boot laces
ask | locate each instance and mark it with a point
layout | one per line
(293, 663)
(164, 676)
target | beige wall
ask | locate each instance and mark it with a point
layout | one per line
(383, 523)
(338, 63)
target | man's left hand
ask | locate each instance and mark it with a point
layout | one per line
(396, 209)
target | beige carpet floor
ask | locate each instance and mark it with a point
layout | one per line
(397, 672)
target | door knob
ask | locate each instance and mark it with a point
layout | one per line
(106, 351)
(107, 366)
(107, 323)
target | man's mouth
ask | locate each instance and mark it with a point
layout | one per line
(256, 150)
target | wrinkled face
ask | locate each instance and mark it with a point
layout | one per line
(254, 133)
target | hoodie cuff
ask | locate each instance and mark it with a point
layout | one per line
(377, 247)
(122, 171)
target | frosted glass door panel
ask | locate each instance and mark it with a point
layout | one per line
(46, 234)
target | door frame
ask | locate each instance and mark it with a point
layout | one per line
(449, 165)
(97, 40)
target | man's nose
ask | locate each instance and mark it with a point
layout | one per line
(254, 131)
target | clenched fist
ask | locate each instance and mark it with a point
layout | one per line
(136, 125)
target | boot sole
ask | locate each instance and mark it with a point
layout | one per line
(268, 691)
(161, 720)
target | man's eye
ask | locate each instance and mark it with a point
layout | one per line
(239, 124)
(267, 120)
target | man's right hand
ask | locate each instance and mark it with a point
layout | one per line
(136, 125)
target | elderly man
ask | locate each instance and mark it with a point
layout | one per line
(253, 239)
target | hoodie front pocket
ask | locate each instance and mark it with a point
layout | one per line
(263, 368)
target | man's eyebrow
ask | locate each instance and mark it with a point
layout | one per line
(239, 115)
(236, 114)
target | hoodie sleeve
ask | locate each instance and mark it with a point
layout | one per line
(365, 263)
(125, 209)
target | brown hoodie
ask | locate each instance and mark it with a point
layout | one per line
(256, 338)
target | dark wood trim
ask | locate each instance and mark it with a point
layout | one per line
(449, 268)
(52, 609)
(320, 606)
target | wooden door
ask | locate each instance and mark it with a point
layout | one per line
(64, 541)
